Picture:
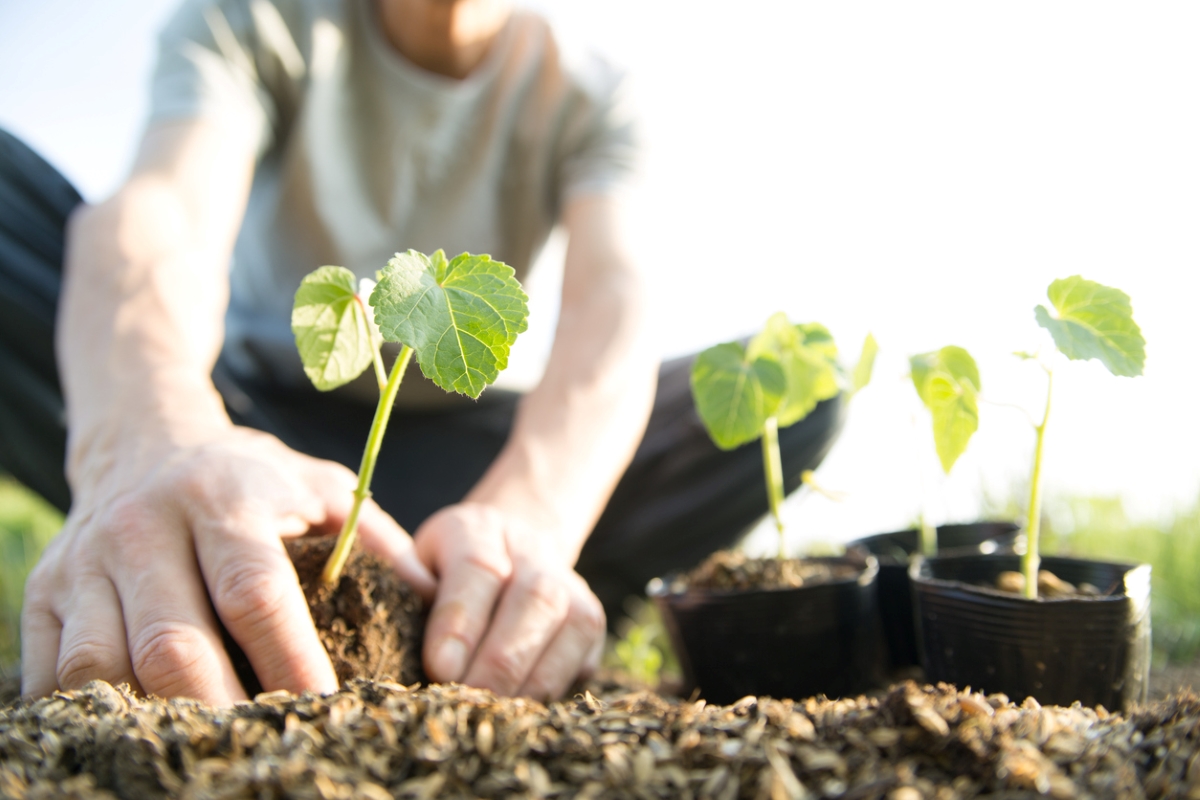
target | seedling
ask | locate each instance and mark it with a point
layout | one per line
(947, 381)
(460, 317)
(744, 393)
(1089, 321)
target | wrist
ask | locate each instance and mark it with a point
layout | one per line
(125, 436)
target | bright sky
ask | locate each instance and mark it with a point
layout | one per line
(919, 170)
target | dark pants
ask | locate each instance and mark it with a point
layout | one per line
(680, 499)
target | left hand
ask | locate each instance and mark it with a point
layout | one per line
(511, 615)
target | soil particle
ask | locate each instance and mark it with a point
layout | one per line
(375, 740)
(733, 570)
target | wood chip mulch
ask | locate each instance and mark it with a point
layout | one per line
(377, 740)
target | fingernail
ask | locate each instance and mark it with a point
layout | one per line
(450, 660)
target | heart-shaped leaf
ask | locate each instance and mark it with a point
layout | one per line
(947, 382)
(460, 317)
(735, 394)
(332, 331)
(1094, 321)
(808, 357)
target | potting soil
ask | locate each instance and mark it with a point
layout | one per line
(734, 570)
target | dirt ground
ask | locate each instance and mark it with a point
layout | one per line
(379, 740)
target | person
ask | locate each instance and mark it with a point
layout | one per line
(286, 134)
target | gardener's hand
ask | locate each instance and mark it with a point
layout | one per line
(511, 615)
(123, 592)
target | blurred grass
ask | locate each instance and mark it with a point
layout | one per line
(27, 523)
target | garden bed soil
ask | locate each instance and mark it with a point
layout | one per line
(376, 740)
(730, 570)
(371, 623)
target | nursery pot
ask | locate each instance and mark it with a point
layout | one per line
(799, 642)
(893, 550)
(1057, 650)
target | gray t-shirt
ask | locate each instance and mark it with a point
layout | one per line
(363, 154)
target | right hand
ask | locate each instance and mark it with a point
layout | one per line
(131, 589)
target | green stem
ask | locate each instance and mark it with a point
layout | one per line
(773, 467)
(1031, 561)
(376, 356)
(929, 542)
(383, 412)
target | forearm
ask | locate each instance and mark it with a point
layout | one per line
(574, 434)
(141, 315)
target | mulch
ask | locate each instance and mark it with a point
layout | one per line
(376, 740)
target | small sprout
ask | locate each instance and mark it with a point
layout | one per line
(744, 393)
(1089, 321)
(947, 381)
(460, 317)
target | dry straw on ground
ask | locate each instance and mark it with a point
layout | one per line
(377, 740)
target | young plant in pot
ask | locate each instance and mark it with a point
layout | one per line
(778, 626)
(1057, 629)
(948, 384)
(460, 318)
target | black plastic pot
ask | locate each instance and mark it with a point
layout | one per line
(1058, 650)
(820, 639)
(894, 550)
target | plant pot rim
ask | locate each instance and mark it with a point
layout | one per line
(868, 569)
(918, 563)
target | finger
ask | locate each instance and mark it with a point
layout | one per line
(472, 571)
(575, 651)
(386, 539)
(257, 595)
(174, 647)
(529, 617)
(40, 632)
(92, 644)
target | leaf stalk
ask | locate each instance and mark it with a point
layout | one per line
(383, 412)
(773, 466)
(1031, 561)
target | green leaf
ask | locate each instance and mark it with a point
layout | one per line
(1094, 321)
(333, 334)
(860, 376)
(947, 382)
(807, 355)
(735, 394)
(955, 408)
(460, 317)
(952, 360)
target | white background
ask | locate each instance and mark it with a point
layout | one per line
(919, 170)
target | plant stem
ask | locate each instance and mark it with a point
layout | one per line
(1031, 561)
(376, 356)
(383, 412)
(773, 467)
(929, 542)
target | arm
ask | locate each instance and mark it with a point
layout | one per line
(173, 504)
(510, 546)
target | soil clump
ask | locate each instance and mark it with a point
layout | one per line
(729, 570)
(371, 623)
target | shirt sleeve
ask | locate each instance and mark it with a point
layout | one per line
(207, 68)
(602, 152)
